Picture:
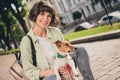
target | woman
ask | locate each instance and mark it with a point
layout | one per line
(43, 37)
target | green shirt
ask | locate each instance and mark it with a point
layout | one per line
(31, 71)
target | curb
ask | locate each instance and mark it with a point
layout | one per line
(98, 37)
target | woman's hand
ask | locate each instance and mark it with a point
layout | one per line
(63, 70)
(46, 72)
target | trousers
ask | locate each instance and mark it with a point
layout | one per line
(81, 59)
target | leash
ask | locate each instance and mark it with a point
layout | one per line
(69, 71)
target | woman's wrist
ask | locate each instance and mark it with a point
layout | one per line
(46, 73)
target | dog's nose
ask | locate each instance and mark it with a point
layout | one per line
(69, 51)
(75, 48)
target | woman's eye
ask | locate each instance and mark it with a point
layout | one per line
(49, 15)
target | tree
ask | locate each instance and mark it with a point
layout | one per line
(17, 8)
(107, 2)
(103, 3)
(11, 12)
(76, 15)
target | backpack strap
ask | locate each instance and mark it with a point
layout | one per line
(33, 51)
(18, 54)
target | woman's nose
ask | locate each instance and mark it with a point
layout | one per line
(45, 17)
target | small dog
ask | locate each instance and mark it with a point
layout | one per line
(63, 58)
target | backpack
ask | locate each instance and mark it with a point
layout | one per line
(16, 70)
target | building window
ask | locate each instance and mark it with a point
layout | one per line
(93, 7)
(69, 3)
(74, 1)
(88, 9)
(67, 18)
(61, 6)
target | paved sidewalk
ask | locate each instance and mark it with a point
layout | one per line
(5, 62)
(104, 58)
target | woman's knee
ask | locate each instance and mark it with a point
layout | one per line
(81, 52)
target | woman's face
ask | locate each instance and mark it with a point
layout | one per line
(43, 19)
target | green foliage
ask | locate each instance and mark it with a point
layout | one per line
(93, 31)
(76, 15)
(18, 33)
(12, 12)
(95, 1)
(10, 51)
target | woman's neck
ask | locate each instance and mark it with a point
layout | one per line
(40, 32)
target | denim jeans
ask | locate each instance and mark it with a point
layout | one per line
(52, 77)
(81, 60)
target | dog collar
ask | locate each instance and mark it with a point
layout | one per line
(59, 55)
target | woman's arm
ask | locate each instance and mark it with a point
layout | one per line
(46, 73)
(26, 57)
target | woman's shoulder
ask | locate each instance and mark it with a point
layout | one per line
(53, 29)
(24, 40)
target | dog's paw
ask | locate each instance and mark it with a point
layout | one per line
(58, 78)
(77, 75)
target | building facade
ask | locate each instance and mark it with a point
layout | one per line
(65, 8)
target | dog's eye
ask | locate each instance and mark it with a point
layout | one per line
(67, 44)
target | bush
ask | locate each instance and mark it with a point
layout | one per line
(76, 15)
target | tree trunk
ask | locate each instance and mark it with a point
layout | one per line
(20, 20)
(2, 44)
(7, 41)
(13, 39)
(110, 5)
(23, 24)
(4, 38)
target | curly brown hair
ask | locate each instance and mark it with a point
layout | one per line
(44, 7)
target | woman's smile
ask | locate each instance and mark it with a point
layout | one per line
(43, 19)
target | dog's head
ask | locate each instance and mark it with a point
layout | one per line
(65, 46)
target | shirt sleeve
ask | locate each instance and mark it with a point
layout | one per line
(26, 57)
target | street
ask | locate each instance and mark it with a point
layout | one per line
(104, 60)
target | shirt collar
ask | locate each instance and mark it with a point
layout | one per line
(34, 38)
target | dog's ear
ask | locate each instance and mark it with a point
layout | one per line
(58, 43)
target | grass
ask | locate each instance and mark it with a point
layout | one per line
(10, 51)
(93, 31)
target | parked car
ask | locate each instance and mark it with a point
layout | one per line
(114, 17)
(84, 26)
(79, 28)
